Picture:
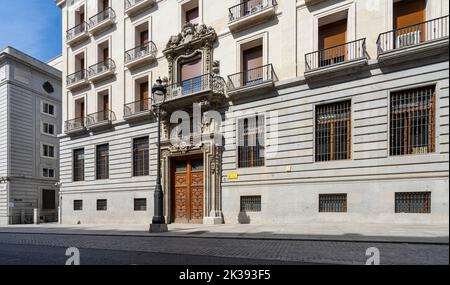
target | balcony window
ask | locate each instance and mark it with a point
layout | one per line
(248, 8)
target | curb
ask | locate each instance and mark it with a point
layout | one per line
(392, 240)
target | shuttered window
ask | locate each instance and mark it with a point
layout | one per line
(78, 165)
(140, 157)
(413, 202)
(332, 203)
(251, 145)
(102, 161)
(333, 131)
(412, 121)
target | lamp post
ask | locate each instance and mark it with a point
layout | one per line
(158, 224)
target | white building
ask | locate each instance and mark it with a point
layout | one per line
(30, 119)
(351, 98)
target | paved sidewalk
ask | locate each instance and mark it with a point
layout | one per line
(438, 234)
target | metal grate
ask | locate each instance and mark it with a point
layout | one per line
(140, 204)
(78, 164)
(251, 146)
(332, 203)
(412, 122)
(102, 205)
(102, 162)
(333, 131)
(413, 202)
(250, 203)
(140, 157)
(77, 205)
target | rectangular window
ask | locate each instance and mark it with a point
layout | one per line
(48, 128)
(412, 122)
(48, 172)
(48, 151)
(77, 205)
(102, 161)
(251, 146)
(102, 205)
(140, 157)
(332, 203)
(250, 203)
(48, 199)
(140, 204)
(78, 165)
(48, 108)
(333, 131)
(413, 202)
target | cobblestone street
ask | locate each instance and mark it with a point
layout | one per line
(170, 250)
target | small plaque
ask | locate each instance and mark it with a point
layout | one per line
(232, 176)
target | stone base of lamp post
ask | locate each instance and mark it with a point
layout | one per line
(158, 228)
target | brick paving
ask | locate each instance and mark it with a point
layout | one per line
(334, 252)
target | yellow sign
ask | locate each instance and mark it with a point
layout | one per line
(232, 176)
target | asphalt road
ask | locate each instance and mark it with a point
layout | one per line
(46, 249)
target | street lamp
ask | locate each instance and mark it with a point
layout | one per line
(158, 224)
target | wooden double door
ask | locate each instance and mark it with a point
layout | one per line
(187, 190)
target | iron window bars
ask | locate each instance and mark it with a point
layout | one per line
(332, 203)
(78, 165)
(251, 146)
(333, 131)
(141, 157)
(102, 162)
(250, 204)
(413, 202)
(412, 121)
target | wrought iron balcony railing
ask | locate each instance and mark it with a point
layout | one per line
(75, 124)
(195, 85)
(252, 77)
(137, 107)
(249, 7)
(101, 67)
(104, 15)
(100, 118)
(77, 30)
(132, 3)
(413, 35)
(148, 48)
(338, 54)
(76, 77)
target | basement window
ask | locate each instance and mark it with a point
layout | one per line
(413, 202)
(332, 203)
(250, 203)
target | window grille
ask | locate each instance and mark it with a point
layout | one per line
(141, 157)
(140, 204)
(333, 131)
(412, 122)
(251, 146)
(78, 165)
(101, 205)
(332, 203)
(413, 202)
(250, 203)
(102, 162)
(77, 205)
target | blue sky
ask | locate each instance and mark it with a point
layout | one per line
(32, 26)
